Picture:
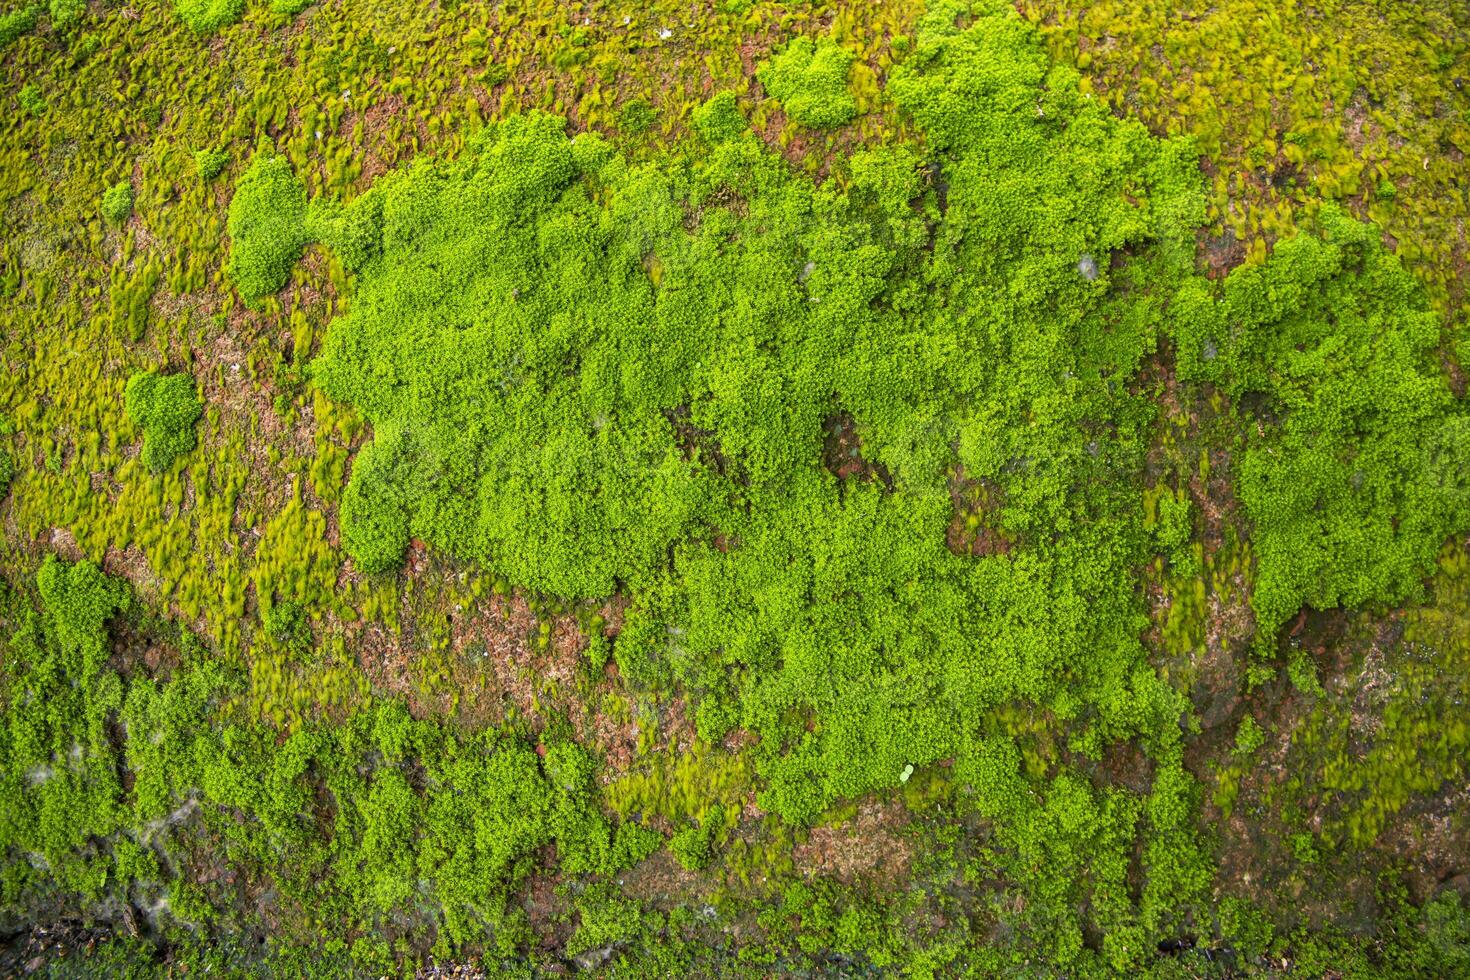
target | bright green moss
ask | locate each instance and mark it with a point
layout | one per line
(582, 373)
(31, 100)
(208, 16)
(719, 118)
(809, 79)
(18, 22)
(1356, 474)
(266, 226)
(527, 359)
(463, 286)
(375, 521)
(65, 13)
(117, 202)
(209, 164)
(353, 232)
(165, 407)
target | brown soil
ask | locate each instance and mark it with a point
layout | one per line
(981, 499)
(842, 449)
(869, 846)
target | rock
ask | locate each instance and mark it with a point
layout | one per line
(593, 958)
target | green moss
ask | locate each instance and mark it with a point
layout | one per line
(605, 919)
(65, 13)
(809, 79)
(195, 770)
(16, 23)
(691, 845)
(719, 118)
(267, 227)
(209, 164)
(872, 470)
(31, 100)
(286, 624)
(354, 232)
(165, 407)
(636, 116)
(1249, 737)
(117, 202)
(208, 16)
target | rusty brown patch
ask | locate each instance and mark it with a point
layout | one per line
(842, 452)
(975, 529)
(867, 847)
(1219, 254)
(661, 882)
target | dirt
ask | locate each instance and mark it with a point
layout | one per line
(869, 846)
(134, 650)
(222, 373)
(975, 530)
(497, 667)
(1281, 795)
(1455, 372)
(1219, 669)
(1220, 253)
(1359, 129)
(33, 950)
(453, 971)
(1432, 836)
(64, 544)
(543, 909)
(697, 444)
(662, 882)
(842, 450)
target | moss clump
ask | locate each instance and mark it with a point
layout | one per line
(117, 202)
(31, 100)
(208, 16)
(1355, 474)
(286, 624)
(210, 163)
(719, 119)
(266, 226)
(19, 22)
(65, 13)
(636, 116)
(165, 407)
(809, 79)
(692, 846)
